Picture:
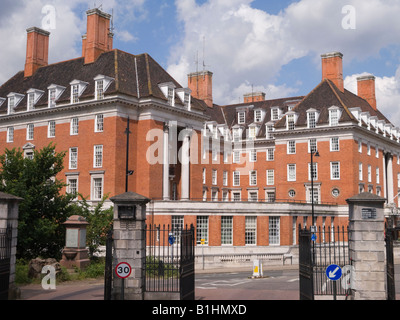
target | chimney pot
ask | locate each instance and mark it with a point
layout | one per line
(366, 89)
(201, 85)
(98, 37)
(37, 50)
(332, 68)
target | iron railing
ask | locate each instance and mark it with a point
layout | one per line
(165, 253)
(330, 247)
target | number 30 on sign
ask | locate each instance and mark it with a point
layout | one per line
(123, 270)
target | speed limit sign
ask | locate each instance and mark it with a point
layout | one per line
(123, 270)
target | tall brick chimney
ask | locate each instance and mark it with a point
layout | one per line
(201, 85)
(37, 50)
(366, 89)
(332, 68)
(254, 97)
(98, 37)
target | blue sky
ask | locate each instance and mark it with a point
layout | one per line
(270, 45)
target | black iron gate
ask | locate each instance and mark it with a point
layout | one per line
(390, 275)
(5, 255)
(305, 265)
(317, 251)
(169, 265)
(170, 261)
(187, 265)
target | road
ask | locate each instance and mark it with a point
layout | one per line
(276, 285)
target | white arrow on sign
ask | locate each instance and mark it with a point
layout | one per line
(332, 274)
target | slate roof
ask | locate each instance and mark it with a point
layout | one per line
(326, 95)
(116, 64)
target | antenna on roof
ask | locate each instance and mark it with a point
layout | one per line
(204, 56)
(112, 21)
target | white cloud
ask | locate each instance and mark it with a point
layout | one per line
(245, 45)
(387, 94)
(65, 39)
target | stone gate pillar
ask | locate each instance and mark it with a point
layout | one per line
(367, 246)
(129, 244)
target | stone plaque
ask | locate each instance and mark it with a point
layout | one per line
(368, 213)
(72, 238)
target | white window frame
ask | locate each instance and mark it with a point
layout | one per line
(51, 129)
(30, 131)
(253, 178)
(241, 117)
(291, 176)
(360, 172)
(95, 178)
(236, 179)
(74, 126)
(315, 171)
(291, 147)
(335, 170)
(226, 230)
(270, 177)
(270, 154)
(335, 144)
(99, 123)
(98, 152)
(72, 178)
(214, 177)
(10, 134)
(73, 158)
(225, 178)
(274, 231)
(202, 229)
(250, 230)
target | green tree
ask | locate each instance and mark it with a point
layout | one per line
(44, 208)
(100, 222)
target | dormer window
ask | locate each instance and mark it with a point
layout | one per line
(2, 101)
(55, 93)
(33, 97)
(13, 100)
(241, 117)
(258, 115)
(102, 84)
(291, 121)
(312, 118)
(168, 89)
(270, 131)
(334, 116)
(237, 134)
(184, 95)
(78, 87)
(275, 114)
(253, 131)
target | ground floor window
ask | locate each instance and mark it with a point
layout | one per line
(251, 230)
(202, 229)
(226, 230)
(274, 230)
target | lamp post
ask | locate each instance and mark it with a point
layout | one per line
(313, 154)
(313, 227)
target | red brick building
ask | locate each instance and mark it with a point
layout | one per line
(240, 173)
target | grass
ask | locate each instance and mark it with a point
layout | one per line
(93, 271)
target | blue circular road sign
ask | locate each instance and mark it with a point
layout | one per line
(171, 239)
(334, 272)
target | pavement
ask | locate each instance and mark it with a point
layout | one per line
(93, 289)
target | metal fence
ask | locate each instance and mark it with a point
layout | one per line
(330, 247)
(5, 255)
(166, 251)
